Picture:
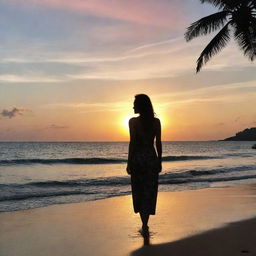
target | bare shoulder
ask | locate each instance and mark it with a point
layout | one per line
(157, 121)
(132, 121)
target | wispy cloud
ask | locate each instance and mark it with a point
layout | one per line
(214, 94)
(164, 13)
(160, 43)
(142, 51)
(54, 126)
(143, 62)
(91, 107)
(225, 93)
(160, 59)
(29, 78)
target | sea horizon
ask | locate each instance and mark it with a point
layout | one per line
(119, 141)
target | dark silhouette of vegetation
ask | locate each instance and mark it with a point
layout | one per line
(248, 134)
(237, 16)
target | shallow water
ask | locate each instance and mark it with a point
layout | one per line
(35, 174)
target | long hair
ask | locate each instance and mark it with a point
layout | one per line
(145, 108)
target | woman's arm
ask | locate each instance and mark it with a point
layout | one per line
(131, 144)
(159, 143)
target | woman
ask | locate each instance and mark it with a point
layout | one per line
(144, 164)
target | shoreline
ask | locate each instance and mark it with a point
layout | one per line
(218, 185)
(84, 228)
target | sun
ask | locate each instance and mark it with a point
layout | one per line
(125, 123)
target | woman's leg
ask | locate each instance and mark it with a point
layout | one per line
(144, 219)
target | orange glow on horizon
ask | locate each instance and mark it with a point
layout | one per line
(124, 123)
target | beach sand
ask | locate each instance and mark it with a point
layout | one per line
(215, 221)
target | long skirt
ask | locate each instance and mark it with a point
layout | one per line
(144, 183)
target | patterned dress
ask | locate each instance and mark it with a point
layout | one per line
(144, 175)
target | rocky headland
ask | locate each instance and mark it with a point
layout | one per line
(248, 134)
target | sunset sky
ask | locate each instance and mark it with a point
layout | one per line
(69, 71)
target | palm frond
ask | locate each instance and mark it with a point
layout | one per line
(224, 4)
(246, 39)
(206, 25)
(252, 4)
(215, 45)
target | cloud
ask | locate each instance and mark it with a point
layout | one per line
(91, 107)
(151, 45)
(227, 93)
(148, 12)
(12, 113)
(173, 45)
(156, 59)
(27, 79)
(54, 126)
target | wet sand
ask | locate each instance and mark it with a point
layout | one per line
(215, 221)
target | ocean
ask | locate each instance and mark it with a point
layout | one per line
(37, 174)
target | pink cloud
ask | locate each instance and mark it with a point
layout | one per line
(148, 12)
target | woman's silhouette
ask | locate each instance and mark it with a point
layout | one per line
(144, 164)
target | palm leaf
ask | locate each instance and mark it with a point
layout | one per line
(246, 39)
(215, 45)
(224, 4)
(206, 25)
(252, 3)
